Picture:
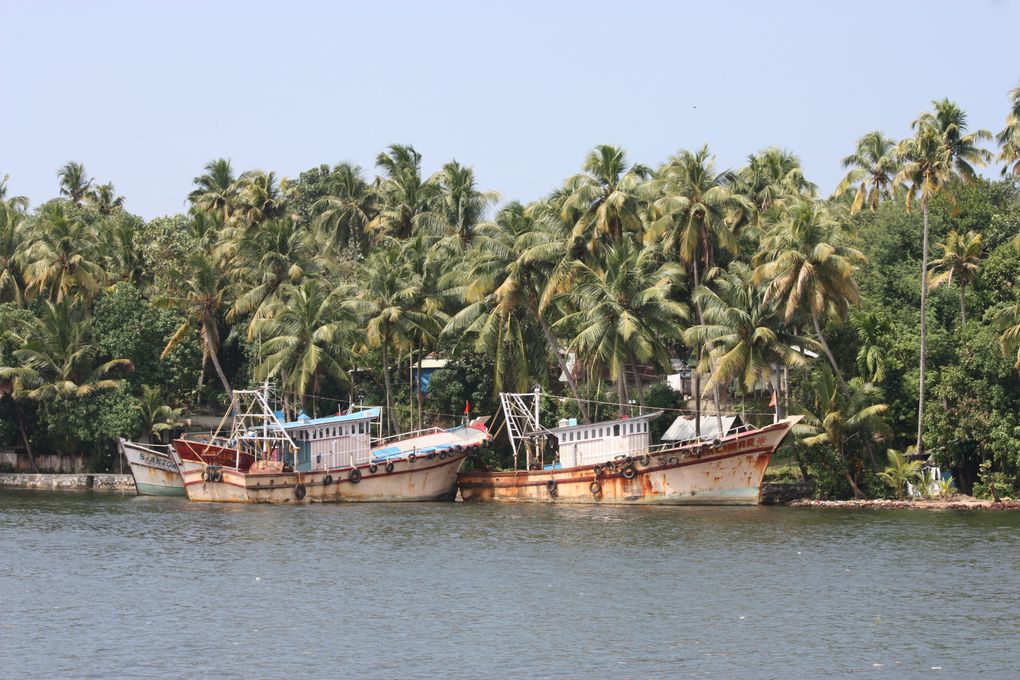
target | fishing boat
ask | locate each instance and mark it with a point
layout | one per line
(153, 468)
(614, 462)
(333, 459)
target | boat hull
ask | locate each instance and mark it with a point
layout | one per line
(155, 473)
(729, 473)
(425, 479)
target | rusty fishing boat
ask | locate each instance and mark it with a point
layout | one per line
(614, 462)
(261, 459)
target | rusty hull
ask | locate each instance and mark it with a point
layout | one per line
(421, 480)
(728, 474)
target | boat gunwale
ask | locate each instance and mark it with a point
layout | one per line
(447, 461)
(549, 474)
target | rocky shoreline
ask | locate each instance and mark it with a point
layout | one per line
(954, 503)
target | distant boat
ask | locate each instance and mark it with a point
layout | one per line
(614, 462)
(153, 469)
(333, 459)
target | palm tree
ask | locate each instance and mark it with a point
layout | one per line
(460, 206)
(695, 215)
(1009, 137)
(1008, 322)
(74, 182)
(281, 251)
(772, 176)
(900, 472)
(347, 216)
(260, 198)
(503, 283)
(873, 329)
(124, 258)
(742, 333)
(216, 189)
(310, 334)
(606, 198)
(392, 291)
(695, 210)
(62, 256)
(156, 415)
(872, 168)
(961, 257)
(625, 311)
(57, 357)
(939, 151)
(425, 258)
(837, 417)
(104, 199)
(12, 226)
(406, 199)
(805, 266)
(201, 301)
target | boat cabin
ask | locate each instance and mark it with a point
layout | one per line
(587, 444)
(331, 442)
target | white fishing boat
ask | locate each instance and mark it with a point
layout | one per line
(153, 469)
(260, 459)
(615, 462)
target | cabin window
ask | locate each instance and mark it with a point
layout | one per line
(616, 430)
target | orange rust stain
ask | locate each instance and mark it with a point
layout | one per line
(646, 485)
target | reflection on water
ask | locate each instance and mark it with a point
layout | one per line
(120, 586)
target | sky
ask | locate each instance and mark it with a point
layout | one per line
(146, 93)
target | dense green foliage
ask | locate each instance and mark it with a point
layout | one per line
(337, 285)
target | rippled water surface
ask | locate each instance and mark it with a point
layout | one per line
(120, 586)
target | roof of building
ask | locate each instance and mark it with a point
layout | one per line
(601, 423)
(367, 414)
(683, 428)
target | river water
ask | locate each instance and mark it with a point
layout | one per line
(105, 585)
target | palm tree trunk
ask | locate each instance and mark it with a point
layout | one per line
(718, 411)
(963, 305)
(853, 484)
(219, 372)
(825, 348)
(417, 387)
(389, 389)
(621, 389)
(696, 373)
(24, 438)
(201, 378)
(846, 472)
(550, 341)
(786, 390)
(924, 328)
(640, 389)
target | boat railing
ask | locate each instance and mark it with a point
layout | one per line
(634, 451)
(412, 433)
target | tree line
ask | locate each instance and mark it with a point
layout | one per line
(336, 286)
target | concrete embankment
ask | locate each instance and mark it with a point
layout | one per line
(956, 503)
(57, 482)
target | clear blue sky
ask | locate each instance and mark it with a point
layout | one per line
(145, 93)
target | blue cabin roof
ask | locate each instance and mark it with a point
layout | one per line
(367, 414)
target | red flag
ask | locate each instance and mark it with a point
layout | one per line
(772, 403)
(467, 407)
